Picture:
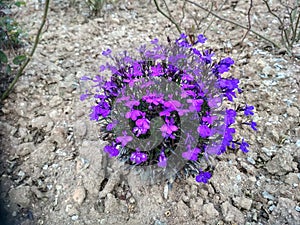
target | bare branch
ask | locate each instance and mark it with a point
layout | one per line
(249, 21)
(169, 18)
(235, 23)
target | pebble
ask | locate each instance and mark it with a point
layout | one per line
(79, 195)
(271, 208)
(21, 196)
(293, 111)
(297, 208)
(251, 160)
(292, 179)
(281, 163)
(268, 70)
(25, 149)
(243, 202)
(209, 211)
(232, 214)
(71, 210)
(157, 222)
(131, 200)
(75, 217)
(166, 191)
(267, 195)
(298, 143)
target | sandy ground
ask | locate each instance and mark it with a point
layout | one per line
(53, 169)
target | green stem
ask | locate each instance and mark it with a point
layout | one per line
(12, 84)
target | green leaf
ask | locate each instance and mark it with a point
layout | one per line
(8, 69)
(19, 59)
(20, 3)
(3, 57)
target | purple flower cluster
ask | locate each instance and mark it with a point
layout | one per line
(203, 88)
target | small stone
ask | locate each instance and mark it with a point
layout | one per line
(71, 210)
(268, 70)
(166, 191)
(271, 208)
(209, 211)
(267, 195)
(21, 196)
(232, 214)
(251, 160)
(243, 202)
(131, 200)
(25, 149)
(40, 122)
(80, 129)
(55, 101)
(157, 222)
(292, 179)
(79, 195)
(293, 111)
(297, 208)
(75, 217)
(280, 164)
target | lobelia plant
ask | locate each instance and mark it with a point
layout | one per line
(162, 111)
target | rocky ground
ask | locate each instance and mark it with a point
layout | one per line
(53, 170)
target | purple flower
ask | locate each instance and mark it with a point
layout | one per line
(204, 131)
(203, 177)
(130, 80)
(111, 88)
(154, 41)
(84, 96)
(172, 105)
(142, 126)
(168, 127)
(143, 122)
(228, 136)
(195, 104)
(253, 125)
(182, 42)
(102, 68)
(223, 66)
(106, 52)
(134, 114)
(244, 145)
(162, 160)
(102, 109)
(230, 94)
(248, 110)
(132, 103)
(111, 150)
(138, 157)
(124, 139)
(166, 112)
(157, 70)
(153, 98)
(187, 77)
(230, 117)
(111, 125)
(191, 154)
(202, 86)
(229, 84)
(209, 119)
(201, 39)
(207, 56)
